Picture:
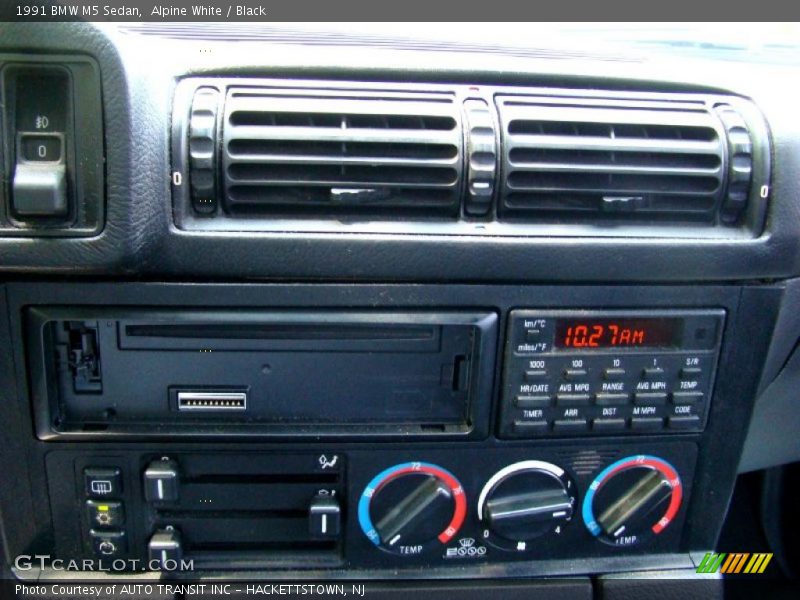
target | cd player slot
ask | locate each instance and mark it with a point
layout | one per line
(310, 333)
(267, 373)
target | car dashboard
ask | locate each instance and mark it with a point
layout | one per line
(309, 304)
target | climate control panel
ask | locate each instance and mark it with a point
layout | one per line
(608, 372)
(461, 508)
(342, 507)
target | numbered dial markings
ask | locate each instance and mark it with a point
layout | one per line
(632, 500)
(411, 508)
(524, 501)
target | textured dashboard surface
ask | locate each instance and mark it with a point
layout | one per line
(139, 74)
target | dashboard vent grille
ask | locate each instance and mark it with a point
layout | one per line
(567, 157)
(294, 152)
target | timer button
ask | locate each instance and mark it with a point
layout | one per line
(573, 374)
(530, 428)
(652, 373)
(613, 374)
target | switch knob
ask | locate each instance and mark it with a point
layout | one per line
(161, 481)
(324, 517)
(523, 501)
(165, 549)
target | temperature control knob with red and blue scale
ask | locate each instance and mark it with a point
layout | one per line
(412, 507)
(632, 500)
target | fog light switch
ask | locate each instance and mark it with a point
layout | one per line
(40, 190)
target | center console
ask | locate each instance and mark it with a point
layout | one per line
(322, 429)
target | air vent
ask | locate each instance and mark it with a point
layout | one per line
(290, 153)
(588, 158)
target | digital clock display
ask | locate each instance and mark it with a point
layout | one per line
(618, 333)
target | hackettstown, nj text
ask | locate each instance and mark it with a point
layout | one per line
(190, 589)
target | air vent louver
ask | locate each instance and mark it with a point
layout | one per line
(568, 158)
(297, 152)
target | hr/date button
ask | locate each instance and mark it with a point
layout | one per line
(532, 401)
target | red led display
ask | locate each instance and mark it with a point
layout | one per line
(613, 333)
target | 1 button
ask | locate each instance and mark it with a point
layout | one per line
(108, 544)
(686, 397)
(649, 398)
(646, 423)
(653, 373)
(532, 401)
(530, 428)
(689, 422)
(573, 399)
(602, 425)
(570, 425)
(105, 514)
(103, 482)
(611, 399)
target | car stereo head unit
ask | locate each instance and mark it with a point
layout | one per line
(608, 372)
(164, 373)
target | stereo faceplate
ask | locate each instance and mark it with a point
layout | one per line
(608, 372)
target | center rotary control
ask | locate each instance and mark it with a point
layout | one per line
(411, 507)
(524, 501)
